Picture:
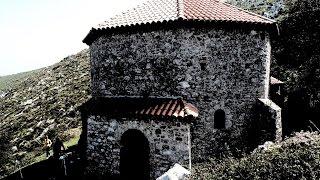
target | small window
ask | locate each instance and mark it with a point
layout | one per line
(203, 63)
(219, 119)
(203, 66)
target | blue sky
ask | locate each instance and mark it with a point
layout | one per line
(38, 33)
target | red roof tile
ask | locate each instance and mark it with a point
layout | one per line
(148, 12)
(165, 10)
(135, 106)
(157, 11)
(219, 11)
(169, 107)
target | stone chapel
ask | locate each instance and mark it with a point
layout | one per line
(177, 81)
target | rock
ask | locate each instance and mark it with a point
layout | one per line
(15, 140)
(177, 172)
(113, 124)
(253, 32)
(267, 146)
(25, 145)
(21, 155)
(126, 78)
(29, 101)
(167, 153)
(50, 121)
(111, 138)
(110, 130)
(148, 66)
(39, 124)
(14, 148)
(2, 94)
(30, 130)
(44, 132)
(184, 84)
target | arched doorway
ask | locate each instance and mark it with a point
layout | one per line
(134, 156)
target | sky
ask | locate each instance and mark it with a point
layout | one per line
(39, 33)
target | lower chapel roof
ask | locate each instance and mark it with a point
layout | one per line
(139, 106)
(160, 11)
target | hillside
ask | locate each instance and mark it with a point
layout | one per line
(6, 82)
(44, 102)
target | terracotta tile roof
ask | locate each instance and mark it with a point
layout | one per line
(158, 11)
(148, 12)
(137, 106)
(219, 11)
(165, 10)
(169, 107)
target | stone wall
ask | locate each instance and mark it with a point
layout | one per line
(169, 143)
(268, 124)
(273, 112)
(210, 68)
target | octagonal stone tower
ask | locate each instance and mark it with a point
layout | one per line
(210, 54)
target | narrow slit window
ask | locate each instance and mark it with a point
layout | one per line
(219, 119)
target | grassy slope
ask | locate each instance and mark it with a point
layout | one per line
(6, 82)
(43, 102)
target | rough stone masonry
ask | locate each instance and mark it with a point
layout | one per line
(169, 143)
(223, 71)
(211, 68)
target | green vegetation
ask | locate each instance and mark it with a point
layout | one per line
(39, 103)
(296, 60)
(71, 142)
(295, 158)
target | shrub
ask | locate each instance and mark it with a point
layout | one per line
(295, 158)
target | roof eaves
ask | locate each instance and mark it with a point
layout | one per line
(95, 33)
(87, 40)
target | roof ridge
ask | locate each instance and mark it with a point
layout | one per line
(180, 8)
(246, 11)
